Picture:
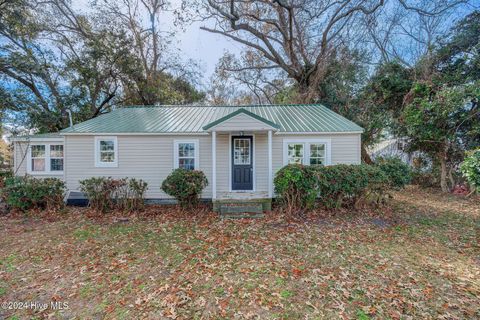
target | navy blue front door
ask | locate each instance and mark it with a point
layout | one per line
(242, 163)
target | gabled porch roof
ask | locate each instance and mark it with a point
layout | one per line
(260, 123)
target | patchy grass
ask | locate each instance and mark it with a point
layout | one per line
(419, 259)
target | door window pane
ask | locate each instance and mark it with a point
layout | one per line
(241, 151)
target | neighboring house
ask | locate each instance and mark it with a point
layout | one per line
(239, 148)
(396, 147)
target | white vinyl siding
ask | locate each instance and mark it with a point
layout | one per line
(146, 157)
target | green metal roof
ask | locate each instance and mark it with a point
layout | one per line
(194, 119)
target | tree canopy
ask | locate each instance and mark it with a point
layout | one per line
(403, 68)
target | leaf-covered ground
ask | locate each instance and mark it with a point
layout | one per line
(417, 259)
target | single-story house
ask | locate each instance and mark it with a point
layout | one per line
(239, 148)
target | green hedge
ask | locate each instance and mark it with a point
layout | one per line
(470, 169)
(185, 185)
(398, 173)
(299, 187)
(345, 185)
(25, 193)
(296, 185)
(105, 193)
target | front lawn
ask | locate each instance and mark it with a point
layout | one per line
(418, 259)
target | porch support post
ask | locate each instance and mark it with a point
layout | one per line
(214, 165)
(270, 171)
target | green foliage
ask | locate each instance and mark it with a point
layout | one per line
(398, 173)
(471, 169)
(334, 186)
(346, 185)
(3, 176)
(25, 193)
(105, 193)
(458, 58)
(185, 185)
(296, 185)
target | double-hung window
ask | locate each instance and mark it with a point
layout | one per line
(317, 153)
(46, 158)
(307, 151)
(106, 152)
(185, 154)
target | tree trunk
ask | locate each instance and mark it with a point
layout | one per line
(365, 156)
(443, 173)
(451, 178)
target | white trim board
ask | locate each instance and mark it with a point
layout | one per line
(203, 133)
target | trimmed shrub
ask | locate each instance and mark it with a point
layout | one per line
(470, 169)
(398, 173)
(334, 186)
(105, 193)
(25, 193)
(185, 185)
(345, 185)
(296, 185)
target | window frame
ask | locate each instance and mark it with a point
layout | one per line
(47, 158)
(102, 164)
(306, 149)
(176, 158)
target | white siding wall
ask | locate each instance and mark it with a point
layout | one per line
(346, 148)
(20, 158)
(150, 158)
(143, 157)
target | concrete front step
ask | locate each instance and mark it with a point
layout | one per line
(237, 209)
(242, 206)
(234, 208)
